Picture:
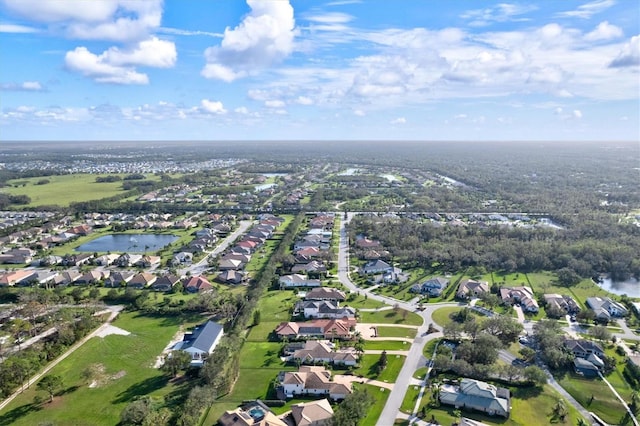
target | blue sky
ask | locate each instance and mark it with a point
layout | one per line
(306, 69)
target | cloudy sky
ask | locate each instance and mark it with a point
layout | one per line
(309, 69)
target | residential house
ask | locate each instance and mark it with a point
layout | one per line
(230, 264)
(312, 413)
(119, 279)
(522, 295)
(605, 309)
(142, 280)
(201, 342)
(91, 277)
(165, 283)
(11, 278)
(313, 380)
(106, 259)
(468, 289)
(477, 395)
(147, 262)
(297, 280)
(17, 256)
(230, 277)
(323, 309)
(197, 284)
(433, 286)
(326, 293)
(582, 348)
(376, 267)
(184, 257)
(318, 328)
(366, 243)
(254, 413)
(562, 302)
(66, 277)
(314, 268)
(585, 368)
(320, 351)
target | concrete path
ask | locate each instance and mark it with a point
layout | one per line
(341, 378)
(115, 310)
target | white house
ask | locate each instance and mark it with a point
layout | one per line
(201, 343)
(297, 280)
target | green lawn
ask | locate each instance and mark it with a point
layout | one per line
(389, 345)
(409, 333)
(380, 395)
(130, 358)
(57, 192)
(604, 403)
(410, 399)
(389, 316)
(368, 368)
(441, 316)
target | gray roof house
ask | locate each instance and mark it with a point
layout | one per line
(477, 395)
(433, 286)
(376, 267)
(201, 342)
(605, 308)
(468, 289)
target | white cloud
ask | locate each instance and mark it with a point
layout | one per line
(114, 20)
(213, 107)
(27, 86)
(629, 54)
(151, 53)
(359, 112)
(13, 28)
(304, 100)
(265, 36)
(117, 65)
(274, 104)
(241, 110)
(587, 10)
(577, 114)
(503, 12)
(399, 120)
(604, 31)
(96, 67)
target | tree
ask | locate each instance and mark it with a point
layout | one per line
(93, 373)
(175, 361)
(136, 412)
(256, 317)
(353, 409)
(560, 409)
(505, 328)
(382, 362)
(527, 353)
(600, 332)
(535, 375)
(50, 384)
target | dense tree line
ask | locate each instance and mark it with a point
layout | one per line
(587, 249)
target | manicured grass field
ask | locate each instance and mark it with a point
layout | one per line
(380, 395)
(441, 316)
(410, 398)
(389, 316)
(368, 368)
(58, 190)
(129, 358)
(389, 345)
(409, 333)
(420, 373)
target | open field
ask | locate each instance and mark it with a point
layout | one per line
(380, 395)
(409, 333)
(58, 191)
(128, 360)
(369, 363)
(441, 316)
(389, 345)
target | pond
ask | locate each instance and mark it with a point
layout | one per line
(129, 243)
(630, 287)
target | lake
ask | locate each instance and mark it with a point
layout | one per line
(630, 287)
(129, 243)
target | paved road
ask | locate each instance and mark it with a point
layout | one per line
(414, 359)
(115, 310)
(199, 267)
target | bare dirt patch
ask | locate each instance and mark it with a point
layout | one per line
(175, 339)
(112, 329)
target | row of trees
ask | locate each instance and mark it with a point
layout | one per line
(590, 248)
